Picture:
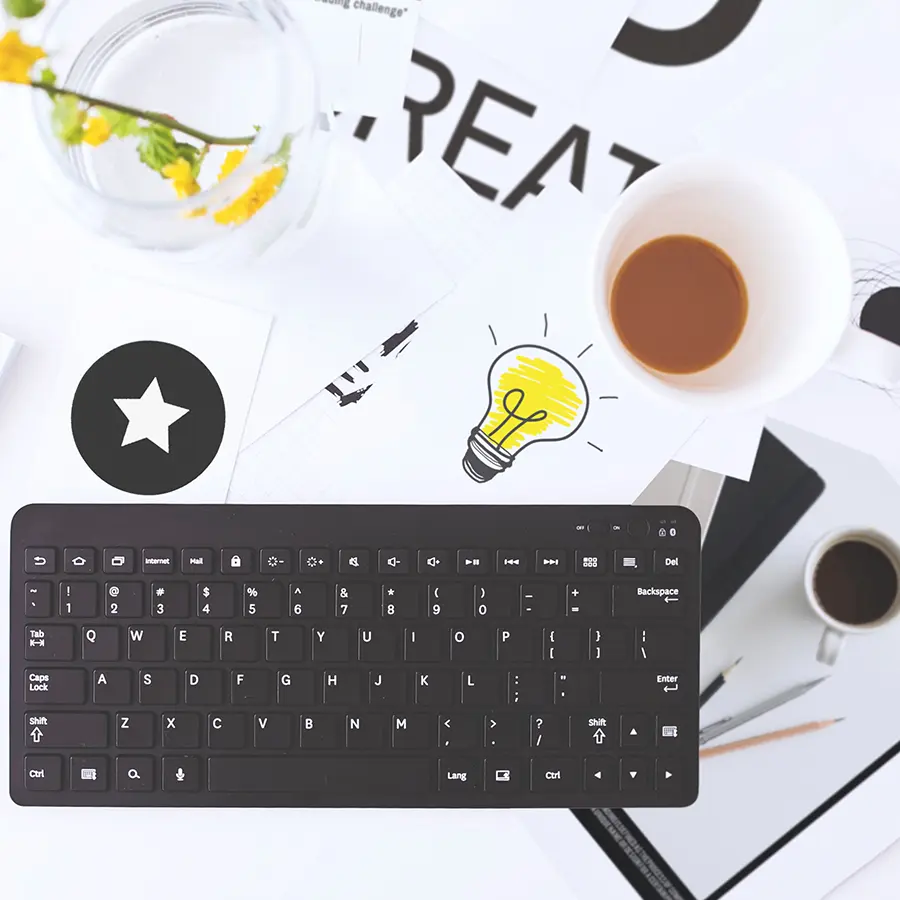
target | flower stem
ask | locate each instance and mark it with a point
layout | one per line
(155, 118)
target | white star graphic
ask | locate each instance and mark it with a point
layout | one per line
(149, 417)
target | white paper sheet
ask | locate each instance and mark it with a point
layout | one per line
(228, 340)
(725, 444)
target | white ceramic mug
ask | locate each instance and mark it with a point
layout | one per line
(795, 264)
(836, 631)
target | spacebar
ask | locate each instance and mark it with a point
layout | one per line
(258, 774)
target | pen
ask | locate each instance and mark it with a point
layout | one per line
(767, 738)
(713, 688)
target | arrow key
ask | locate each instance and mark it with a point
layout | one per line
(637, 730)
(636, 774)
(668, 776)
(600, 774)
(594, 732)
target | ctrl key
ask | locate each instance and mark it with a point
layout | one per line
(557, 776)
(43, 773)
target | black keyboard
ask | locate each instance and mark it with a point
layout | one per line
(375, 656)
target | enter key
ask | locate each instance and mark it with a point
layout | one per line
(655, 688)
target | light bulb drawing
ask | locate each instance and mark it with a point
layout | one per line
(535, 396)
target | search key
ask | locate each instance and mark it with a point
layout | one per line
(134, 773)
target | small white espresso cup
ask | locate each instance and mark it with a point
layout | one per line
(795, 264)
(836, 631)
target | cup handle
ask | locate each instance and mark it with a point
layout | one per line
(867, 357)
(830, 646)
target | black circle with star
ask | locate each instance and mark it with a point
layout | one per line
(99, 425)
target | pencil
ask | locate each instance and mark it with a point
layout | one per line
(767, 738)
(713, 688)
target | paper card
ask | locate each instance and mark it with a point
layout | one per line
(513, 359)
(725, 444)
(555, 46)
(138, 434)
(363, 49)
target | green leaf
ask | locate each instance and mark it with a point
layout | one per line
(67, 119)
(282, 155)
(157, 147)
(47, 76)
(121, 125)
(23, 9)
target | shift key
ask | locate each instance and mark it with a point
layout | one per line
(55, 729)
(647, 600)
(656, 688)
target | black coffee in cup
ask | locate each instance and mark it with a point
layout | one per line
(855, 583)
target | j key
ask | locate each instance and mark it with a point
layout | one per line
(378, 645)
(647, 601)
(549, 562)
(611, 644)
(539, 601)
(496, 601)
(629, 562)
(64, 729)
(517, 644)
(204, 687)
(330, 644)
(181, 773)
(57, 686)
(112, 687)
(434, 562)
(400, 601)
(593, 733)
(170, 600)
(576, 688)
(124, 599)
(146, 643)
(158, 687)
(180, 731)
(355, 601)
(459, 731)
(471, 644)
(512, 562)
(192, 643)
(215, 600)
(473, 562)
(100, 643)
(273, 731)
(564, 644)
(287, 775)
(354, 562)
(588, 601)
(549, 732)
(38, 599)
(590, 562)
(196, 561)
(296, 687)
(135, 731)
(118, 561)
(226, 731)
(78, 599)
(387, 688)
(411, 732)
(530, 687)
(423, 644)
(157, 561)
(483, 688)
(460, 775)
(434, 688)
(239, 643)
(321, 731)
(556, 775)
(251, 687)
(40, 560)
(285, 644)
(264, 600)
(393, 562)
(46, 642)
(274, 561)
(655, 687)
(79, 561)
(367, 732)
(341, 688)
(447, 601)
(659, 645)
(308, 600)
(505, 731)
(315, 561)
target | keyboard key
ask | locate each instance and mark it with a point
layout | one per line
(471, 644)
(50, 642)
(611, 644)
(588, 601)
(146, 643)
(60, 687)
(518, 643)
(388, 687)
(79, 561)
(636, 774)
(274, 561)
(251, 687)
(158, 687)
(316, 561)
(549, 731)
(654, 688)
(671, 732)
(216, 600)
(181, 773)
(496, 601)
(78, 599)
(367, 732)
(530, 687)
(353, 562)
(473, 562)
(539, 601)
(393, 562)
(504, 776)
(38, 599)
(484, 687)
(558, 776)
(434, 562)
(378, 645)
(647, 601)
(354, 601)
(629, 562)
(40, 561)
(88, 773)
(669, 775)
(668, 562)
(576, 688)
(296, 687)
(43, 773)
(135, 731)
(118, 561)
(239, 643)
(124, 599)
(601, 773)
(345, 776)
(100, 643)
(134, 774)
(434, 688)
(227, 731)
(512, 562)
(400, 601)
(637, 731)
(308, 600)
(411, 732)
(459, 731)
(170, 600)
(180, 731)
(204, 687)
(593, 732)
(564, 644)
(461, 775)
(549, 562)
(331, 644)
(423, 644)
(192, 643)
(590, 562)
(447, 601)
(273, 731)
(65, 729)
(197, 561)
(341, 688)
(236, 561)
(655, 644)
(505, 731)
(263, 600)
(285, 644)
(157, 560)
(321, 731)
(111, 687)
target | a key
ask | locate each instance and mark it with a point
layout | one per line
(636, 774)
(434, 562)
(100, 643)
(378, 645)
(505, 731)
(77, 599)
(539, 601)
(62, 687)
(197, 561)
(503, 775)
(226, 731)
(170, 600)
(124, 599)
(40, 560)
(558, 776)
(285, 644)
(239, 643)
(43, 773)
(65, 729)
(134, 773)
(250, 687)
(275, 561)
(629, 562)
(393, 562)
(657, 644)
(595, 733)
(387, 687)
(529, 687)
(204, 687)
(236, 561)
(460, 775)
(180, 731)
(459, 731)
(549, 731)
(264, 600)
(88, 773)
(321, 731)
(341, 688)
(308, 600)
(473, 562)
(317, 561)
(610, 644)
(354, 562)
(590, 562)
(192, 643)
(576, 688)
(111, 687)
(549, 562)
(516, 643)
(215, 600)
(601, 773)
(423, 644)
(158, 687)
(564, 644)
(354, 601)
(273, 731)
(434, 688)
(38, 599)
(471, 644)
(496, 601)
(411, 732)
(588, 601)
(447, 601)
(157, 560)
(296, 687)
(79, 561)
(50, 642)
(648, 601)
(146, 643)
(367, 732)
(330, 644)
(118, 561)
(637, 730)
(400, 601)
(482, 688)
(135, 731)
(512, 562)
(180, 773)
(654, 687)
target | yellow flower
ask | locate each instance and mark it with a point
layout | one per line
(232, 160)
(182, 178)
(17, 59)
(96, 131)
(260, 192)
